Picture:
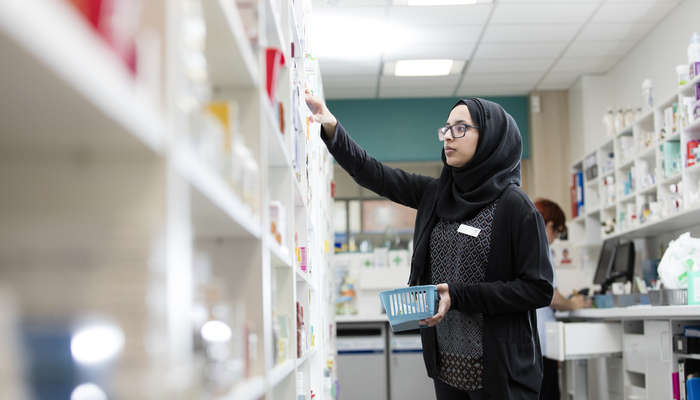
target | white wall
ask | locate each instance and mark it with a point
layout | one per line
(655, 57)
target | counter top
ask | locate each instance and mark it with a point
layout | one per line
(632, 312)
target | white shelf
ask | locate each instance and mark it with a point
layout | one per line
(274, 29)
(165, 227)
(251, 389)
(279, 156)
(305, 357)
(68, 88)
(280, 372)
(681, 220)
(693, 127)
(281, 255)
(302, 276)
(216, 210)
(230, 57)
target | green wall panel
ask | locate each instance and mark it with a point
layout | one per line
(406, 129)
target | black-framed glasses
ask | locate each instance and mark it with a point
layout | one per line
(457, 130)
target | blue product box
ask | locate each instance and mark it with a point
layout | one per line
(692, 387)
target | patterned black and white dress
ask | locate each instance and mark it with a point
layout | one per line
(460, 257)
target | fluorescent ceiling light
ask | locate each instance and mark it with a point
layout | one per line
(423, 67)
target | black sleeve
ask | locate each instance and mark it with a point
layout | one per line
(531, 284)
(394, 184)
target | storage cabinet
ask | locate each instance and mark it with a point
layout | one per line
(640, 182)
(163, 223)
(571, 340)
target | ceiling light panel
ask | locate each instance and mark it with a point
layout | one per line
(536, 13)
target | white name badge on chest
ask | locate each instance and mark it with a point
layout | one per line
(469, 230)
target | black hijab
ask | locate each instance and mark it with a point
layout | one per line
(464, 191)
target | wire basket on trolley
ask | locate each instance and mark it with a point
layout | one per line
(406, 306)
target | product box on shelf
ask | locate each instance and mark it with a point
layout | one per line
(694, 69)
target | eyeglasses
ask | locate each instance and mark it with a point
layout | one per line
(457, 130)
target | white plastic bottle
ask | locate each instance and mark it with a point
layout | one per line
(694, 48)
(647, 96)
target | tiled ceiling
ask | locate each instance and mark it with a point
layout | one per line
(512, 47)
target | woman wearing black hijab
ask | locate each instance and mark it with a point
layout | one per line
(479, 238)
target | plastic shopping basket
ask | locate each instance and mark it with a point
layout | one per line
(406, 306)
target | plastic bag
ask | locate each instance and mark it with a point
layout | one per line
(679, 258)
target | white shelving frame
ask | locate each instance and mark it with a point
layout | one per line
(587, 228)
(103, 183)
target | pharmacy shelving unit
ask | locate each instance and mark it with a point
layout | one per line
(641, 165)
(121, 231)
(644, 187)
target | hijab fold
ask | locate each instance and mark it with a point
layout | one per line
(464, 191)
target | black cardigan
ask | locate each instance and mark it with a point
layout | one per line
(518, 276)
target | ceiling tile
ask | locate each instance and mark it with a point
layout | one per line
(441, 34)
(510, 65)
(543, 13)
(428, 51)
(615, 31)
(351, 81)
(513, 78)
(598, 49)
(389, 81)
(403, 91)
(448, 15)
(591, 65)
(558, 80)
(331, 67)
(530, 33)
(519, 50)
(633, 11)
(493, 90)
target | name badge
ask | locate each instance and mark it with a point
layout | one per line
(469, 230)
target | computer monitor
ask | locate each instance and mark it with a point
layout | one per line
(623, 265)
(605, 261)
